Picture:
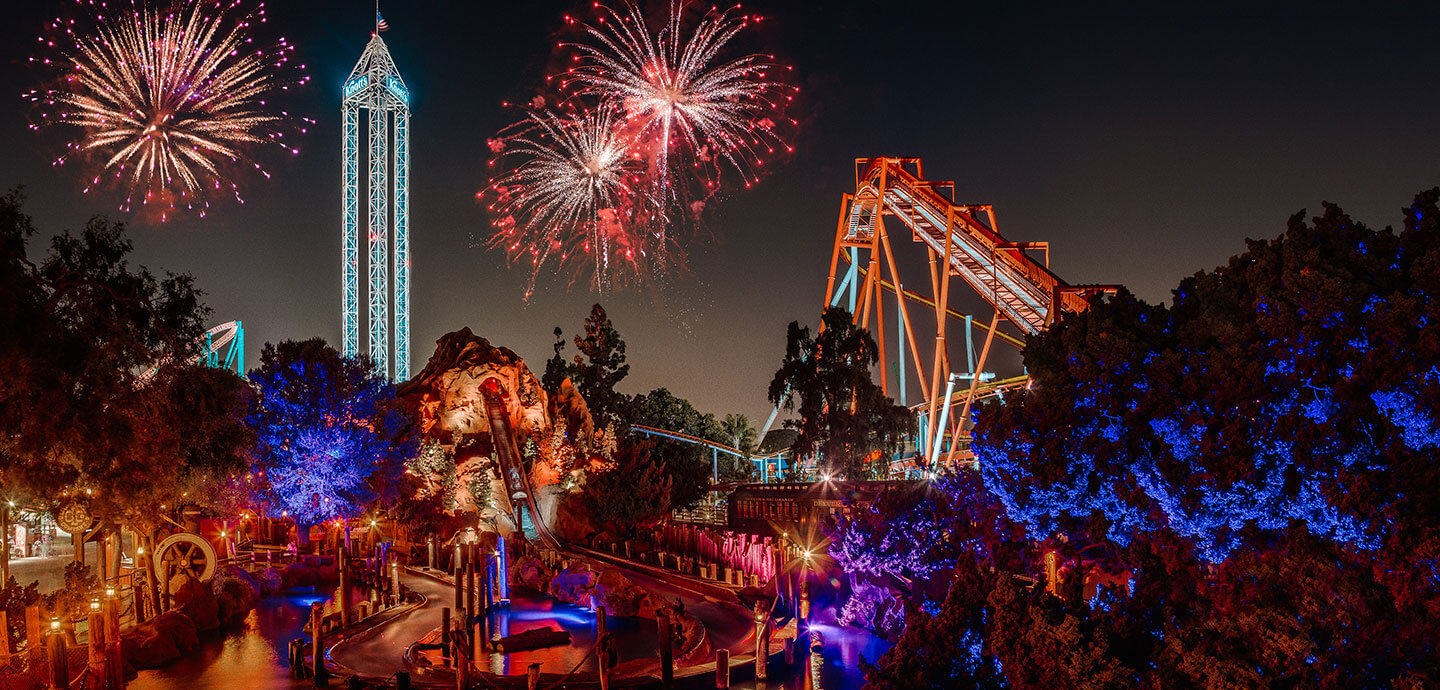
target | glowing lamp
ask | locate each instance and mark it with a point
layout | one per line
(95, 605)
(110, 592)
(54, 623)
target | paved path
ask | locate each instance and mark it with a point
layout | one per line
(380, 651)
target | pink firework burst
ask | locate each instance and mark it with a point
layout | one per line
(684, 98)
(681, 120)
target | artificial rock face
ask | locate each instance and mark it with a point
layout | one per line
(452, 410)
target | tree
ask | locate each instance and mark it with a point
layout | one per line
(662, 409)
(557, 368)
(599, 367)
(633, 494)
(844, 417)
(76, 330)
(78, 416)
(739, 433)
(328, 443)
(945, 648)
(1295, 384)
(912, 531)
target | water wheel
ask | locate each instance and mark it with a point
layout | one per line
(187, 553)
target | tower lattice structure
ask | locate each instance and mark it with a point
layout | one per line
(375, 87)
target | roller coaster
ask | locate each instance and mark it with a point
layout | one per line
(959, 240)
(221, 347)
(764, 462)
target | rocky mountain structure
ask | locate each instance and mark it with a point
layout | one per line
(555, 434)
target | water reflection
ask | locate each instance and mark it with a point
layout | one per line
(837, 667)
(251, 656)
(634, 637)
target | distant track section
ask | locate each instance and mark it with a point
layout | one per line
(517, 481)
(228, 338)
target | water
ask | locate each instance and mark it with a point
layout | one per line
(838, 666)
(634, 637)
(255, 655)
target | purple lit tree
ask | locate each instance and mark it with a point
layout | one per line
(327, 445)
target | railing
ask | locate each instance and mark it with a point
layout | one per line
(714, 514)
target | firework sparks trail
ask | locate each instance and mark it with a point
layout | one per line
(680, 95)
(167, 103)
(572, 196)
(673, 117)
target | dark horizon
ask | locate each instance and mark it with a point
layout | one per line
(1143, 145)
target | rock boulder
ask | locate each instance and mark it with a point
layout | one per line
(159, 641)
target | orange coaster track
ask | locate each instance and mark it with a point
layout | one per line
(965, 241)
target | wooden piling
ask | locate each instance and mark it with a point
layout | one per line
(55, 651)
(317, 644)
(532, 676)
(445, 635)
(96, 645)
(667, 654)
(722, 669)
(762, 640)
(344, 560)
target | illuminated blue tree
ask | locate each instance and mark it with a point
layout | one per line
(1299, 384)
(328, 445)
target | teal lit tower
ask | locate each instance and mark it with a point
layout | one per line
(375, 87)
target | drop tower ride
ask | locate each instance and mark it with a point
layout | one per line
(375, 87)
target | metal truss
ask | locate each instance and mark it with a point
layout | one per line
(376, 87)
(959, 240)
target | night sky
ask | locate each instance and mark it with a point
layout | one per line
(1144, 142)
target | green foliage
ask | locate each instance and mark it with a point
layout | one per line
(73, 599)
(844, 416)
(739, 433)
(557, 368)
(76, 330)
(690, 465)
(599, 367)
(664, 410)
(13, 601)
(688, 468)
(434, 468)
(480, 490)
(634, 494)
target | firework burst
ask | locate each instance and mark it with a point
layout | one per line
(166, 104)
(679, 93)
(572, 197)
(668, 115)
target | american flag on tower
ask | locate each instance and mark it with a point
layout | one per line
(380, 23)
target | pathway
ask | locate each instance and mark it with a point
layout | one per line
(379, 652)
